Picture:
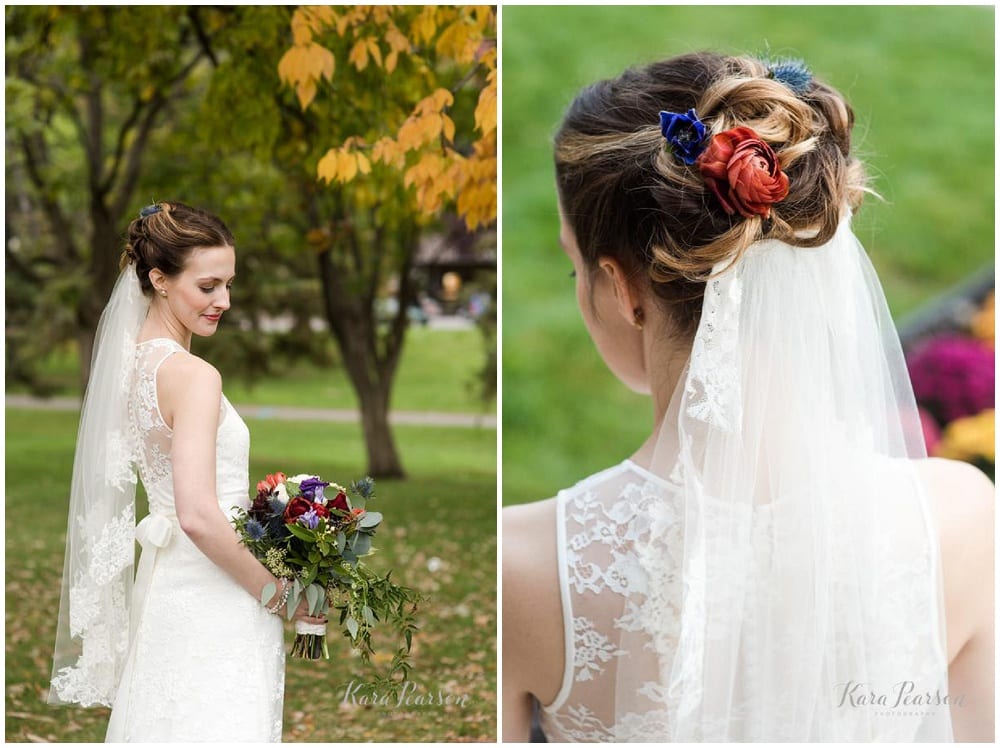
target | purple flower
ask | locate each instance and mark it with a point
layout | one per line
(952, 377)
(312, 488)
(310, 519)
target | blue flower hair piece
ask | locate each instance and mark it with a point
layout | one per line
(149, 210)
(685, 133)
(794, 74)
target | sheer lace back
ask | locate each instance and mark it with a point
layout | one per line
(620, 546)
(153, 437)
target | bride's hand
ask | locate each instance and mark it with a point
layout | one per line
(302, 613)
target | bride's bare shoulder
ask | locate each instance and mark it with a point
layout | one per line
(962, 499)
(961, 494)
(530, 556)
(532, 607)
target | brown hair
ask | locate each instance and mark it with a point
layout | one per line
(164, 238)
(626, 196)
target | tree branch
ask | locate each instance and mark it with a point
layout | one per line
(35, 160)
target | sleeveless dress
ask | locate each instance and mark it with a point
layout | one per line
(205, 661)
(616, 628)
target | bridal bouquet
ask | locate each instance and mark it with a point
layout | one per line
(315, 533)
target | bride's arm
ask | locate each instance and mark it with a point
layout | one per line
(190, 396)
(532, 615)
(963, 501)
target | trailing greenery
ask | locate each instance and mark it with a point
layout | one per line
(920, 80)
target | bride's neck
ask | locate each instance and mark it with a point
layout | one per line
(667, 359)
(159, 324)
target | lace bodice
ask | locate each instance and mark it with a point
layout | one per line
(152, 437)
(620, 536)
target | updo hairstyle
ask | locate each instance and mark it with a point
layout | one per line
(164, 238)
(626, 196)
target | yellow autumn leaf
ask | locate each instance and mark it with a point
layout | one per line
(301, 29)
(347, 166)
(306, 91)
(396, 40)
(486, 110)
(442, 98)
(364, 165)
(390, 61)
(374, 51)
(328, 166)
(448, 127)
(359, 55)
(424, 26)
(458, 41)
(410, 136)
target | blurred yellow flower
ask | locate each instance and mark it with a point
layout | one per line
(984, 321)
(970, 438)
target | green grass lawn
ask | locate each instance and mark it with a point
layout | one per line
(920, 80)
(446, 509)
(435, 373)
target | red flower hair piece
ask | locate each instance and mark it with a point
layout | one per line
(743, 173)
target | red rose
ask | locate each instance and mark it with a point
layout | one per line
(296, 508)
(268, 484)
(743, 172)
(321, 511)
(339, 502)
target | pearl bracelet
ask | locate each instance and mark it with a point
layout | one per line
(286, 589)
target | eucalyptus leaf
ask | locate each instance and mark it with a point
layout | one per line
(293, 603)
(341, 541)
(312, 597)
(370, 519)
(363, 545)
(267, 593)
(369, 617)
(352, 627)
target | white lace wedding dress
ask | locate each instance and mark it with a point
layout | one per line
(619, 528)
(206, 661)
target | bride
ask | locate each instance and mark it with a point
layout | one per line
(186, 652)
(779, 561)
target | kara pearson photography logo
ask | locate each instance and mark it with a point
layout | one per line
(408, 695)
(902, 698)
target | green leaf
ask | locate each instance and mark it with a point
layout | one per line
(352, 627)
(362, 545)
(313, 593)
(369, 520)
(267, 593)
(368, 615)
(301, 532)
(341, 541)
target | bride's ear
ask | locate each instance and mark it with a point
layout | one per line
(156, 278)
(627, 299)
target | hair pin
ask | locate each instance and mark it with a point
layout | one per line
(149, 210)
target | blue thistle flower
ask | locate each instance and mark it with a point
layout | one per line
(364, 487)
(276, 505)
(794, 74)
(255, 530)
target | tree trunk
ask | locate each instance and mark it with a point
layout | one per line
(383, 459)
(353, 324)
